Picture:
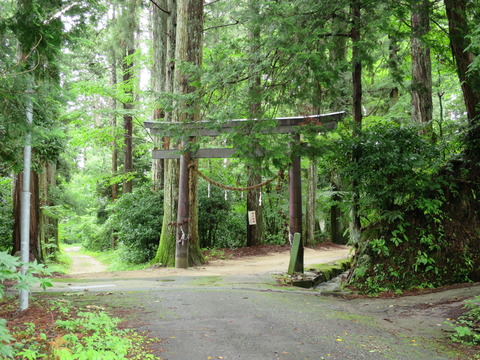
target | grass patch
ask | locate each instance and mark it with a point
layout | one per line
(61, 264)
(343, 264)
(112, 260)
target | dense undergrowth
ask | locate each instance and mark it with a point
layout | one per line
(418, 210)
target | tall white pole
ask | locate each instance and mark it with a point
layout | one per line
(25, 214)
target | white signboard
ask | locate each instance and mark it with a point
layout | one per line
(252, 220)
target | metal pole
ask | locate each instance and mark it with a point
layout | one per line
(25, 204)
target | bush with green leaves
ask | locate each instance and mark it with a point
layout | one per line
(6, 214)
(136, 221)
(405, 241)
(78, 229)
(9, 272)
(218, 225)
(467, 326)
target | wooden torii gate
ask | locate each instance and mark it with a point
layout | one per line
(284, 125)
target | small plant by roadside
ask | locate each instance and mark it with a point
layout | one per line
(56, 330)
(10, 275)
(467, 326)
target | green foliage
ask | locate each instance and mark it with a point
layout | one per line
(393, 171)
(467, 326)
(79, 230)
(218, 225)
(9, 266)
(136, 220)
(6, 215)
(401, 203)
(76, 335)
(95, 335)
(275, 215)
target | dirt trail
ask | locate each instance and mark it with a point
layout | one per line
(83, 264)
(87, 267)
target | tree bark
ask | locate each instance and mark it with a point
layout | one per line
(421, 88)
(35, 245)
(188, 49)
(166, 249)
(393, 49)
(113, 116)
(356, 6)
(128, 124)
(459, 41)
(159, 79)
(337, 226)
(48, 225)
(131, 25)
(311, 206)
(255, 233)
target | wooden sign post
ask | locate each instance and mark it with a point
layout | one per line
(284, 125)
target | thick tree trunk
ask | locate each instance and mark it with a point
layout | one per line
(128, 122)
(48, 225)
(422, 102)
(459, 41)
(130, 22)
(159, 79)
(337, 225)
(255, 233)
(188, 49)
(393, 49)
(338, 92)
(166, 249)
(35, 245)
(113, 119)
(113, 124)
(183, 215)
(355, 227)
(311, 206)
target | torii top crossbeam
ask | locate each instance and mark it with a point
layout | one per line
(284, 125)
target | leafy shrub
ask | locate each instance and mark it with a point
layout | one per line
(401, 203)
(467, 327)
(136, 220)
(6, 215)
(275, 215)
(218, 226)
(9, 266)
(79, 230)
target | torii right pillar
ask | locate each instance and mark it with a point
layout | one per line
(295, 195)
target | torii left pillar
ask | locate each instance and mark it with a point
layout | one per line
(183, 215)
(295, 194)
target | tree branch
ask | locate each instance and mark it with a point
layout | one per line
(211, 2)
(221, 26)
(334, 34)
(155, 3)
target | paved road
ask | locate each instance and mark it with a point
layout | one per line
(248, 318)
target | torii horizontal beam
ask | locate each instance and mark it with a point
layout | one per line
(284, 125)
(219, 153)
